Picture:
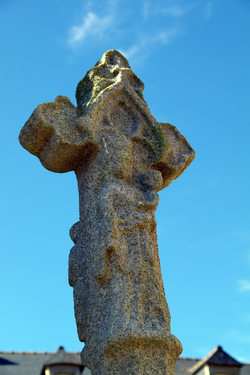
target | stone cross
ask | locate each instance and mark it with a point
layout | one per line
(122, 157)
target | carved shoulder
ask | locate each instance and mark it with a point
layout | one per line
(178, 159)
(57, 134)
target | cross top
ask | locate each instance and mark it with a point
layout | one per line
(111, 108)
(111, 69)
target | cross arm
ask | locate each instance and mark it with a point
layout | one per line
(178, 159)
(58, 135)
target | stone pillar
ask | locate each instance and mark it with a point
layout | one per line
(122, 157)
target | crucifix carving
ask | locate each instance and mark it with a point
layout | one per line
(121, 157)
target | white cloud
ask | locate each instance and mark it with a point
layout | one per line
(164, 36)
(208, 10)
(167, 36)
(244, 285)
(149, 30)
(91, 25)
(140, 50)
(145, 10)
(130, 52)
(177, 10)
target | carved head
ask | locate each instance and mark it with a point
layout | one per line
(109, 70)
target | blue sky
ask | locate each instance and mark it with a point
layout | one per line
(194, 58)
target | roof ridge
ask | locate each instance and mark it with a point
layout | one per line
(23, 352)
(214, 357)
(189, 358)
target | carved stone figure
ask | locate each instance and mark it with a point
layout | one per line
(122, 157)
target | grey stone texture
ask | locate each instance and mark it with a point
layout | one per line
(122, 157)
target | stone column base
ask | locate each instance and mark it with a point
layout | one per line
(136, 356)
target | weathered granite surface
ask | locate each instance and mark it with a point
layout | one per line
(122, 157)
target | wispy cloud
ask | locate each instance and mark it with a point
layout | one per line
(144, 43)
(166, 36)
(145, 10)
(130, 52)
(91, 24)
(208, 10)
(147, 29)
(244, 285)
(177, 10)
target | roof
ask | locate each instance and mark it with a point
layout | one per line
(32, 363)
(26, 363)
(62, 358)
(183, 364)
(216, 357)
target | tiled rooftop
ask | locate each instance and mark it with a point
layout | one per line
(32, 363)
